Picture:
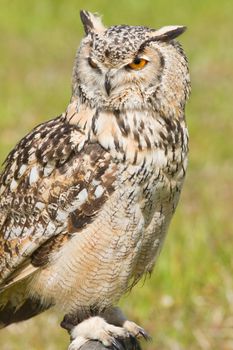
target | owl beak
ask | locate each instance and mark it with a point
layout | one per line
(107, 84)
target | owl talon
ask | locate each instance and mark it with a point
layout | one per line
(135, 330)
(134, 343)
(117, 345)
(144, 334)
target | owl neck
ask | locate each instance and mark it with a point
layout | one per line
(130, 136)
(164, 101)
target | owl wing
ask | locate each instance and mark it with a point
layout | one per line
(54, 183)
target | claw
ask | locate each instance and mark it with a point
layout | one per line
(135, 344)
(144, 334)
(117, 344)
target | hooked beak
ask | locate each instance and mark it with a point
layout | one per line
(107, 84)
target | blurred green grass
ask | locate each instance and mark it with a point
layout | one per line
(188, 302)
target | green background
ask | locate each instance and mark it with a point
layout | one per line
(188, 302)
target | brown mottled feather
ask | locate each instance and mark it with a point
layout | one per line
(35, 212)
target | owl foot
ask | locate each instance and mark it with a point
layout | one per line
(115, 316)
(96, 328)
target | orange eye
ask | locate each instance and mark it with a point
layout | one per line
(138, 63)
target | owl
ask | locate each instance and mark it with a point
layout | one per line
(87, 197)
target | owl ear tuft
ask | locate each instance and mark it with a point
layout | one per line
(163, 34)
(91, 22)
(168, 32)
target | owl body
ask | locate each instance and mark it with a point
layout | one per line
(86, 198)
(132, 224)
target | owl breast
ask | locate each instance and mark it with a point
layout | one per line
(102, 262)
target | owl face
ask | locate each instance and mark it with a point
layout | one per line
(123, 66)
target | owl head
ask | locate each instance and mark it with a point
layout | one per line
(130, 67)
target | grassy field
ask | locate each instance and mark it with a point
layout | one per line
(188, 302)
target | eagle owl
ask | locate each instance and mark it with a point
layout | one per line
(86, 198)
